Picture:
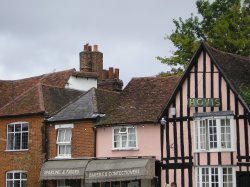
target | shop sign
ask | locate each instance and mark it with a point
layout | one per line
(66, 172)
(114, 173)
(204, 102)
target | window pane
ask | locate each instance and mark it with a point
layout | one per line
(24, 175)
(61, 149)
(9, 184)
(116, 131)
(67, 135)
(9, 175)
(25, 140)
(18, 127)
(11, 141)
(225, 133)
(25, 127)
(24, 184)
(60, 136)
(131, 130)
(116, 144)
(212, 134)
(68, 149)
(17, 176)
(17, 141)
(11, 128)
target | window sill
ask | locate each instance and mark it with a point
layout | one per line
(125, 149)
(215, 151)
(63, 157)
(19, 150)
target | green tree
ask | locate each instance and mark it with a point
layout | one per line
(223, 24)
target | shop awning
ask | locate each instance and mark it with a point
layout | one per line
(63, 169)
(120, 170)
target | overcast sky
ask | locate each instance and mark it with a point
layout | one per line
(38, 37)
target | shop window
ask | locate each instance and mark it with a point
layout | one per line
(63, 183)
(124, 137)
(16, 179)
(214, 134)
(64, 142)
(215, 176)
(17, 136)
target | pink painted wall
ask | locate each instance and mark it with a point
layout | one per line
(148, 138)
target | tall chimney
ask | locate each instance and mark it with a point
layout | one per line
(91, 61)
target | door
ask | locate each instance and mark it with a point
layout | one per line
(243, 179)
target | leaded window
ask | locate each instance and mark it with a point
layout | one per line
(17, 136)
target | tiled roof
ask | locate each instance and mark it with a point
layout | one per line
(41, 98)
(142, 100)
(236, 68)
(86, 106)
(11, 89)
(33, 95)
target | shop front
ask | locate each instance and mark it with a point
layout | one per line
(63, 173)
(121, 172)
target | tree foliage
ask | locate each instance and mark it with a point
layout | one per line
(245, 93)
(223, 24)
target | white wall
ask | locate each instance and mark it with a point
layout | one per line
(80, 83)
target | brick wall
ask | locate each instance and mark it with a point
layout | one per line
(82, 143)
(29, 161)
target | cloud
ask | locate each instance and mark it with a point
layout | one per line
(37, 37)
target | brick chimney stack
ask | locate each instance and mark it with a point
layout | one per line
(91, 60)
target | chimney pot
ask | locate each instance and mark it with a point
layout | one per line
(85, 48)
(90, 48)
(117, 73)
(111, 73)
(95, 48)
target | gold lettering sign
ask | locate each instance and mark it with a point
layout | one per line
(204, 102)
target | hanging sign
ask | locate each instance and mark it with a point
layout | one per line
(204, 102)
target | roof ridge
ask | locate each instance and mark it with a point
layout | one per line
(40, 77)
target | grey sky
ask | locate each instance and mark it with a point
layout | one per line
(38, 37)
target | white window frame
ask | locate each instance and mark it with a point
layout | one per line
(13, 179)
(197, 131)
(14, 133)
(60, 128)
(123, 133)
(198, 175)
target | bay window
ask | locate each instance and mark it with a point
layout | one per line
(214, 133)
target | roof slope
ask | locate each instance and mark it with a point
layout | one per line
(41, 98)
(45, 93)
(12, 89)
(86, 106)
(142, 100)
(236, 68)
